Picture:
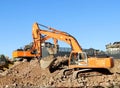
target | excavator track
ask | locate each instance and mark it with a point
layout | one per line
(77, 73)
(82, 74)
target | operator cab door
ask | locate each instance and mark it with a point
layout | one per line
(78, 59)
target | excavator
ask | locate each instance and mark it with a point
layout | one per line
(77, 58)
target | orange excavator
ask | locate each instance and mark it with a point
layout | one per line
(77, 58)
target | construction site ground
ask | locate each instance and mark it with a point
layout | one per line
(30, 75)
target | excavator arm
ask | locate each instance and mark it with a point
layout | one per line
(63, 37)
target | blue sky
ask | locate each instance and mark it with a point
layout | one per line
(94, 23)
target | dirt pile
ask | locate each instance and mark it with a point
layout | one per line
(30, 75)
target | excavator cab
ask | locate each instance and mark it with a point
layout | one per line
(78, 58)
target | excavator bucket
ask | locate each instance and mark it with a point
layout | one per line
(46, 62)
